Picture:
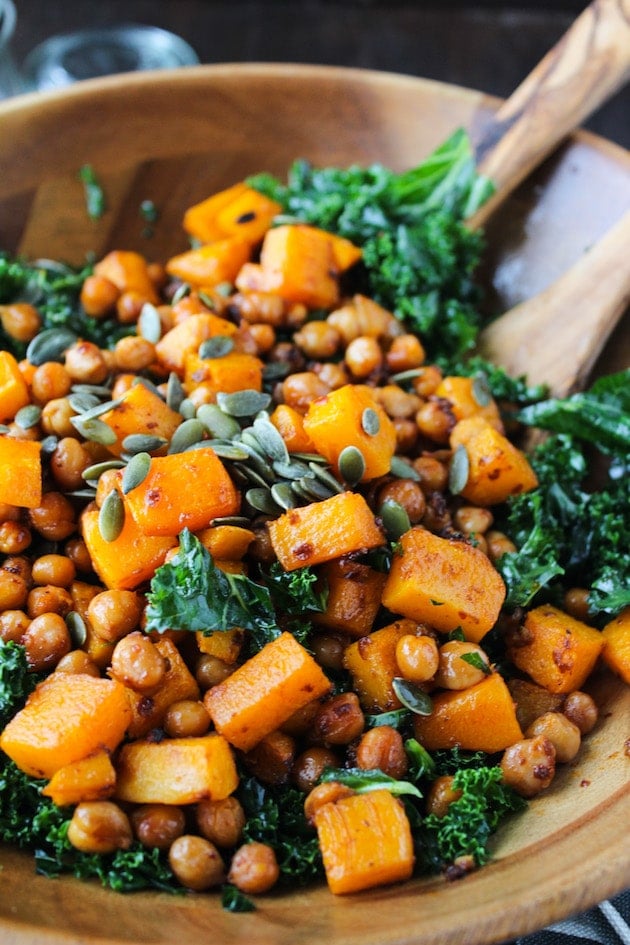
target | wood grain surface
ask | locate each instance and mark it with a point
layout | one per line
(173, 138)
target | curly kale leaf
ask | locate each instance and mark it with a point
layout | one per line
(16, 682)
(470, 822)
(418, 257)
(275, 815)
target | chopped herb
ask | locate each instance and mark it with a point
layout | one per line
(233, 900)
(361, 781)
(94, 193)
(476, 660)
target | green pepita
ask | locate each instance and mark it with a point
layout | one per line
(370, 422)
(270, 440)
(412, 696)
(50, 345)
(29, 416)
(480, 390)
(174, 391)
(111, 516)
(98, 390)
(150, 323)
(325, 476)
(292, 469)
(187, 409)
(261, 500)
(243, 403)
(82, 400)
(76, 627)
(143, 443)
(217, 423)
(93, 472)
(351, 464)
(136, 472)
(216, 347)
(458, 471)
(283, 495)
(94, 430)
(402, 469)
(99, 409)
(395, 519)
(49, 444)
(189, 432)
(227, 450)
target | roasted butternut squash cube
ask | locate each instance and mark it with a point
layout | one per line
(461, 394)
(212, 263)
(322, 531)
(225, 645)
(186, 337)
(298, 263)
(371, 661)
(20, 472)
(556, 650)
(129, 272)
(616, 653)
(481, 718)
(265, 691)
(445, 583)
(66, 718)
(339, 420)
(354, 597)
(13, 388)
(90, 779)
(230, 373)
(176, 771)
(365, 841)
(290, 425)
(200, 220)
(182, 490)
(496, 468)
(140, 411)
(131, 559)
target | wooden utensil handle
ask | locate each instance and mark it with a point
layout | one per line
(585, 68)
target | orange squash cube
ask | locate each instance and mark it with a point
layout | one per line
(68, 717)
(230, 373)
(557, 651)
(298, 263)
(140, 411)
(129, 272)
(354, 597)
(460, 392)
(89, 779)
(212, 263)
(445, 583)
(13, 388)
(497, 469)
(324, 530)
(616, 653)
(290, 425)
(365, 841)
(481, 718)
(131, 559)
(186, 337)
(20, 472)
(371, 661)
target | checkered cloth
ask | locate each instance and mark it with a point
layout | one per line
(608, 924)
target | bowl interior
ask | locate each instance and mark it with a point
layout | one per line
(173, 138)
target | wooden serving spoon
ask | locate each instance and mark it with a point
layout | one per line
(584, 69)
(556, 336)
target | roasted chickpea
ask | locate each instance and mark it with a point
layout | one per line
(53, 569)
(129, 304)
(563, 734)
(454, 671)
(432, 472)
(99, 827)
(435, 420)
(210, 671)
(441, 795)
(529, 765)
(300, 389)
(99, 296)
(326, 793)
(271, 760)
(56, 416)
(21, 566)
(13, 625)
(339, 720)
(318, 340)
(332, 373)
(77, 662)
(472, 520)
(85, 363)
(264, 337)
(576, 603)
(48, 598)
(405, 353)
(67, 463)
(186, 718)
(396, 402)
(158, 825)
(20, 320)
(15, 537)
(254, 868)
(114, 613)
(50, 381)
(328, 649)
(137, 663)
(417, 657)
(406, 435)
(77, 551)
(363, 356)
(46, 640)
(428, 380)
(133, 353)
(498, 544)
(310, 765)
(221, 822)
(196, 862)
(13, 591)
(54, 518)
(408, 494)
(383, 747)
(580, 708)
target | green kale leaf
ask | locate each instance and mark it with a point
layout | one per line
(16, 682)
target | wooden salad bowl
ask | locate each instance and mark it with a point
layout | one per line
(174, 138)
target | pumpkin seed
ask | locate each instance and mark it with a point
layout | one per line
(351, 464)
(207, 300)
(458, 471)
(4, 428)
(283, 495)
(370, 422)
(251, 476)
(189, 432)
(480, 389)
(94, 430)
(403, 376)
(325, 476)
(181, 293)
(187, 409)
(150, 323)
(29, 416)
(217, 423)
(76, 627)
(49, 345)
(292, 470)
(136, 472)
(258, 461)
(81, 401)
(224, 289)
(310, 458)
(243, 403)
(402, 469)
(240, 520)
(262, 501)
(270, 440)
(412, 696)
(49, 444)
(93, 472)
(276, 371)
(174, 391)
(315, 489)
(148, 384)
(98, 410)
(298, 488)
(228, 450)
(111, 516)
(216, 347)
(88, 492)
(143, 443)
(99, 390)
(395, 519)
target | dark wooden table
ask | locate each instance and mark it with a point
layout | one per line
(490, 45)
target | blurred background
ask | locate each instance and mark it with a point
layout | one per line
(489, 45)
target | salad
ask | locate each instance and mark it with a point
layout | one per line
(282, 598)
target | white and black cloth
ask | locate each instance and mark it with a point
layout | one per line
(607, 924)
